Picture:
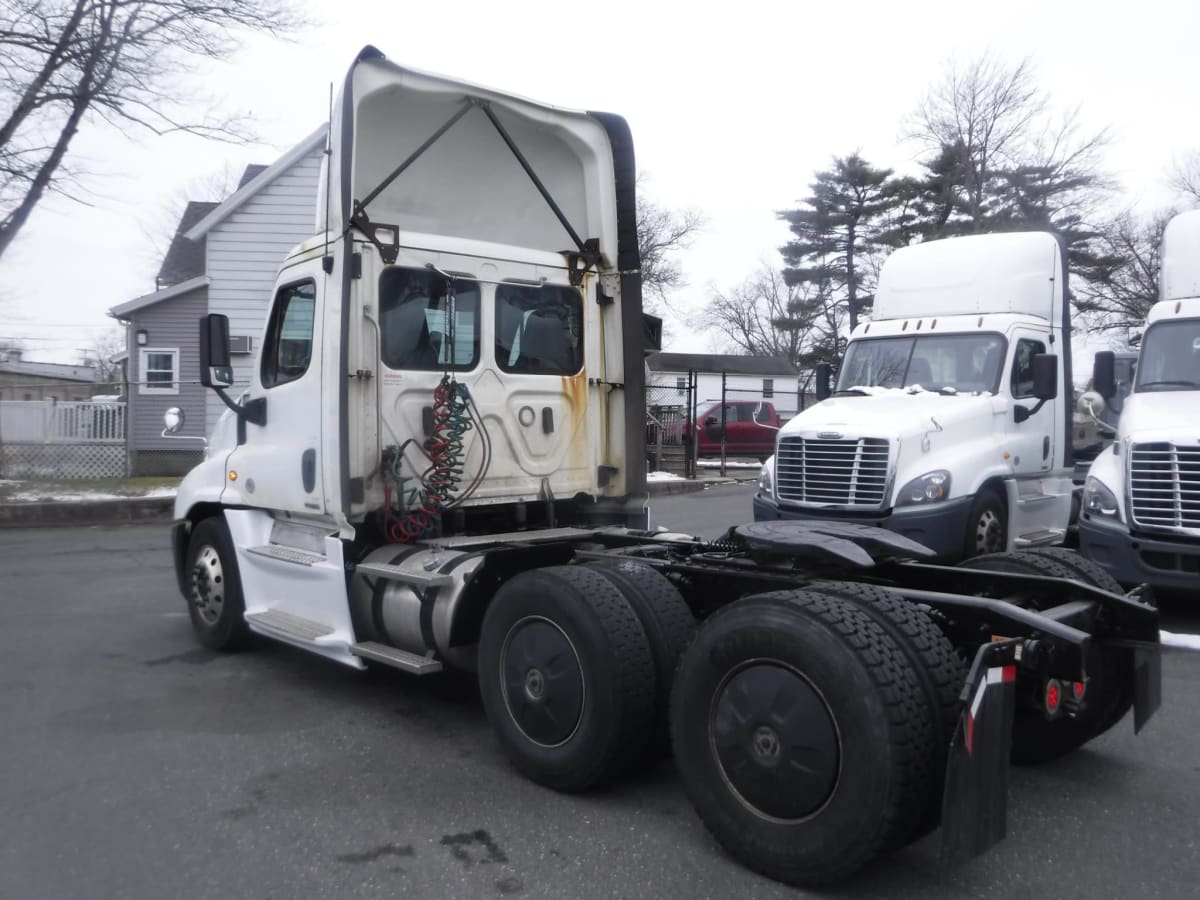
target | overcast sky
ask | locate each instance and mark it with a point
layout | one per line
(733, 107)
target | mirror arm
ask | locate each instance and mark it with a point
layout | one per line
(253, 411)
(1021, 413)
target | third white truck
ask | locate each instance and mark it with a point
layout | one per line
(1141, 505)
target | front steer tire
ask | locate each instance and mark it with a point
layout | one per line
(213, 588)
(566, 677)
(801, 734)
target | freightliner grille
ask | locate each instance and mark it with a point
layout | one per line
(846, 472)
(1164, 485)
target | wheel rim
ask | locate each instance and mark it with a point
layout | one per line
(775, 740)
(989, 533)
(208, 585)
(542, 681)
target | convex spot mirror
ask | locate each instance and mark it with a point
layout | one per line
(173, 420)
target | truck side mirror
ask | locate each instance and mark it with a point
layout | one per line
(1104, 374)
(824, 372)
(1045, 376)
(215, 369)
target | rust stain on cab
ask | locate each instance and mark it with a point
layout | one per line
(575, 390)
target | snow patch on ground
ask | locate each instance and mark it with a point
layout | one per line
(1181, 641)
(664, 476)
(729, 464)
(87, 496)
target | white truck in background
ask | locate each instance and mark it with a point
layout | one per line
(1140, 518)
(946, 423)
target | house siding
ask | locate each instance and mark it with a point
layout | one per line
(170, 325)
(245, 252)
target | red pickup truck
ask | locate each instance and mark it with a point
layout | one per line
(750, 429)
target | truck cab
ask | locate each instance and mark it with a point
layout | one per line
(1141, 503)
(945, 423)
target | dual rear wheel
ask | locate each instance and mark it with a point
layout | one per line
(809, 727)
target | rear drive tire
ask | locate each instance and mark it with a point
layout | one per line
(940, 670)
(801, 733)
(566, 676)
(987, 525)
(1035, 738)
(214, 588)
(669, 626)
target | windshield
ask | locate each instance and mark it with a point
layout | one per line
(1170, 359)
(953, 363)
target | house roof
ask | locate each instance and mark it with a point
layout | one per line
(247, 189)
(131, 306)
(721, 362)
(61, 371)
(185, 257)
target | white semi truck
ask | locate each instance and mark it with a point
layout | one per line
(438, 464)
(946, 423)
(1141, 506)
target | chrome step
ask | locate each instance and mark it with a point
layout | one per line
(400, 659)
(396, 573)
(1038, 538)
(287, 554)
(286, 624)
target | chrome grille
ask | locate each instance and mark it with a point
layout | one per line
(1164, 485)
(845, 472)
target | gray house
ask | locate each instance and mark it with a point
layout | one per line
(222, 259)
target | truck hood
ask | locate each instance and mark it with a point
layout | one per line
(897, 415)
(1161, 416)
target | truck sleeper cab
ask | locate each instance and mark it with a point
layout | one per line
(945, 424)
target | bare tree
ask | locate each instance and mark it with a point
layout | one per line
(999, 157)
(1184, 176)
(103, 354)
(1124, 284)
(662, 234)
(763, 316)
(131, 64)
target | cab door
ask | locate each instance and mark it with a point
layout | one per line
(278, 467)
(1040, 505)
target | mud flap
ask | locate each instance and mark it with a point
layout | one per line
(1147, 683)
(976, 795)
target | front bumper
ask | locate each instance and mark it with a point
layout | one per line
(1157, 561)
(939, 526)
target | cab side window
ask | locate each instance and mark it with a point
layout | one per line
(1022, 370)
(288, 350)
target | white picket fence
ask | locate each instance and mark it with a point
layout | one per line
(50, 422)
(45, 439)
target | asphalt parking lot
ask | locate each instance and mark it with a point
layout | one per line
(136, 764)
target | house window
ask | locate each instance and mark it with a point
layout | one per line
(681, 384)
(768, 388)
(160, 371)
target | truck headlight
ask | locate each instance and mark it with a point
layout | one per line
(927, 488)
(766, 477)
(1098, 499)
